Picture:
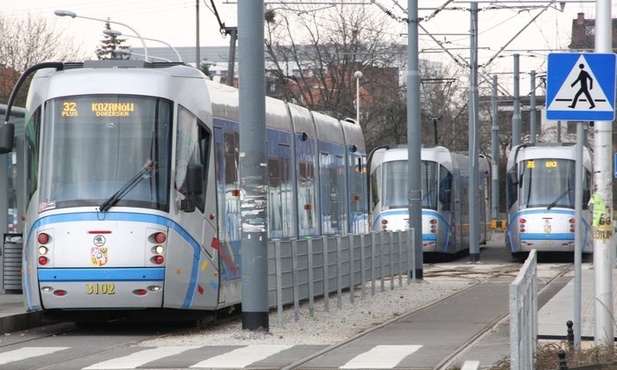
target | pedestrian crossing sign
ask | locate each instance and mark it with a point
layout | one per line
(580, 87)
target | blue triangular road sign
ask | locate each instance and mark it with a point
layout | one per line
(581, 87)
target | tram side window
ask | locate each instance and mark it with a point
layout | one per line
(375, 188)
(586, 189)
(445, 188)
(232, 143)
(275, 223)
(511, 188)
(306, 195)
(32, 143)
(192, 148)
(429, 184)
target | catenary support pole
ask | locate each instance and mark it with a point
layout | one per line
(578, 226)
(474, 146)
(413, 137)
(231, 64)
(603, 199)
(253, 170)
(495, 154)
(516, 113)
(197, 42)
(533, 125)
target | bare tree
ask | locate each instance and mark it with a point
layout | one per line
(324, 48)
(26, 42)
(444, 108)
(313, 56)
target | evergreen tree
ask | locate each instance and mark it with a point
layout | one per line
(112, 46)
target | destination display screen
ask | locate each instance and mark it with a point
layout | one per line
(547, 163)
(98, 109)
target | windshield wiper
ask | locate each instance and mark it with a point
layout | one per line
(147, 170)
(558, 199)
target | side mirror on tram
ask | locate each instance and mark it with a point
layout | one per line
(7, 138)
(194, 176)
(513, 177)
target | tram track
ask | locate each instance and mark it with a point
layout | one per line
(113, 336)
(480, 277)
(447, 362)
(34, 334)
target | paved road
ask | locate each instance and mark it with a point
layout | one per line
(417, 341)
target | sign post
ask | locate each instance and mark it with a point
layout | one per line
(581, 87)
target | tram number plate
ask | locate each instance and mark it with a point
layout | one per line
(100, 288)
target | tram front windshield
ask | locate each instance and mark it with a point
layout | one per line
(547, 183)
(396, 184)
(101, 147)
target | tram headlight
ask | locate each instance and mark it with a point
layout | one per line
(521, 224)
(45, 247)
(433, 225)
(157, 240)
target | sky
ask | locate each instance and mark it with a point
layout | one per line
(173, 21)
(505, 28)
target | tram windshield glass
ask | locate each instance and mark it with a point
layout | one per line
(547, 183)
(395, 185)
(105, 149)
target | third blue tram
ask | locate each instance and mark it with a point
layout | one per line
(540, 198)
(445, 196)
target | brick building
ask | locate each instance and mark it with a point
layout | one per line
(584, 32)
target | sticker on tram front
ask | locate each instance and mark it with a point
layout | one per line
(99, 256)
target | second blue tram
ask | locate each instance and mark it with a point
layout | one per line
(445, 196)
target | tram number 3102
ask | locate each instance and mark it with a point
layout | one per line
(101, 288)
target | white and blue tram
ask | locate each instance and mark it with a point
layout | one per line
(112, 218)
(540, 199)
(445, 200)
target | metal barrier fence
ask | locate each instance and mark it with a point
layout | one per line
(524, 315)
(301, 270)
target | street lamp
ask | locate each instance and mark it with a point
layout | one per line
(358, 76)
(68, 13)
(118, 33)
